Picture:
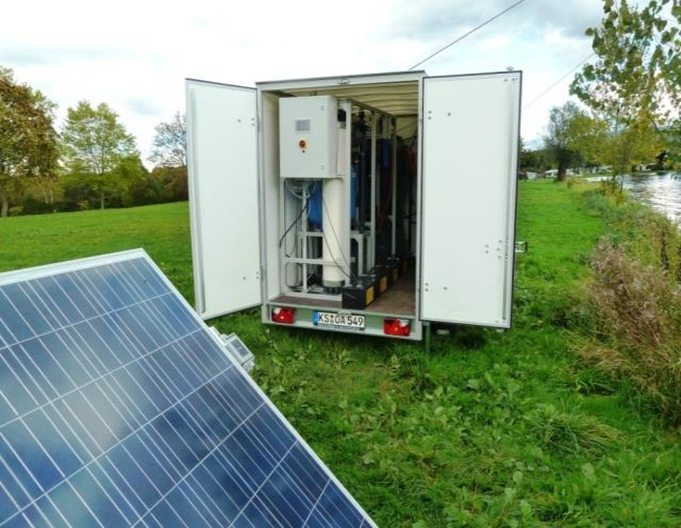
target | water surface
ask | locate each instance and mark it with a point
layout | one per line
(660, 191)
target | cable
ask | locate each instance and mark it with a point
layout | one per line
(295, 221)
(303, 185)
(557, 82)
(459, 39)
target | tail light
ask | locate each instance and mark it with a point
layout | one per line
(284, 315)
(396, 327)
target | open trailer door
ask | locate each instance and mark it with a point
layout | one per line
(470, 164)
(223, 196)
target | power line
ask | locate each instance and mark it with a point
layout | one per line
(557, 82)
(467, 34)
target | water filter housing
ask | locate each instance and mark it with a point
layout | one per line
(308, 135)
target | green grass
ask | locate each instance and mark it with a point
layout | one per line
(488, 430)
(162, 230)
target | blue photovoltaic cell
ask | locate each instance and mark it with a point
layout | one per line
(118, 408)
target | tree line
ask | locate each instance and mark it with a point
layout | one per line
(629, 115)
(630, 96)
(90, 162)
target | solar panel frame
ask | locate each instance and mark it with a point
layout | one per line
(51, 270)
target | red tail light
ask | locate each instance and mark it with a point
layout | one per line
(284, 315)
(396, 327)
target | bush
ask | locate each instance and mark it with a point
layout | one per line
(31, 205)
(16, 210)
(573, 182)
(636, 310)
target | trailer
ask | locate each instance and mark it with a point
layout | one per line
(372, 204)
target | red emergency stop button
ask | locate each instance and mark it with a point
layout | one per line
(302, 143)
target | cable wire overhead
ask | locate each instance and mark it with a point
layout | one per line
(557, 82)
(459, 39)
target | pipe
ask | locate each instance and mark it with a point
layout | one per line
(334, 221)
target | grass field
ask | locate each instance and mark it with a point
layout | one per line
(488, 430)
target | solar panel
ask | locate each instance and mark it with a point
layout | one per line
(118, 407)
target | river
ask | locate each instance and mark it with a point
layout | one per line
(660, 191)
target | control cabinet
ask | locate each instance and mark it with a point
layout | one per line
(308, 132)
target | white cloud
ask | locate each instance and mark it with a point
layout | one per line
(135, 55)
(496, 42)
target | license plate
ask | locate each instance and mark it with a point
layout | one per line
(336, 320)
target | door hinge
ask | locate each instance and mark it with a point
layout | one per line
(521, 247)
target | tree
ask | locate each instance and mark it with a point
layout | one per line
(122, 186)
(672, 143)
(588, 135)
(169, 153)
(173, 183)
(169, 147)
(558, 139)
(531, 160)
(141, 188)
(28, 140)
(634, 86)
(95, 145)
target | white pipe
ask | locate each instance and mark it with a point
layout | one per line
(334, 230)
(303, 236)
(334, 221)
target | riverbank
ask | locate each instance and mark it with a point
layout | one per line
(634, 302)
(491, 429)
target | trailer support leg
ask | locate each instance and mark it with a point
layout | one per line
(426, 328)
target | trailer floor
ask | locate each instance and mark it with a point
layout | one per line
(400, 299)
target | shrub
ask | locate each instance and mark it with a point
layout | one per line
(33, 206)
(574, 181)
(636, 310)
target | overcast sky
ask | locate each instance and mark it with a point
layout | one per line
(135, 55)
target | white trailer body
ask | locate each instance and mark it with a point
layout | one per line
(462, 160)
